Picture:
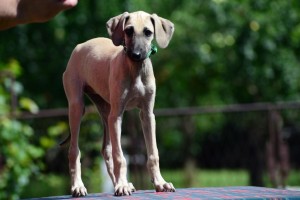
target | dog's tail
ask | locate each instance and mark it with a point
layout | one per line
(65, 141)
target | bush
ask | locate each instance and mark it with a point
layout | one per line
(17, 156)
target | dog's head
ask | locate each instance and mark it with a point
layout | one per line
(136, 31)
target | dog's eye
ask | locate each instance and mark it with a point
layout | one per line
(147, 32)
(129, 31)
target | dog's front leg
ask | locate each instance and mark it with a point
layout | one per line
(122, 186)
(148, 124)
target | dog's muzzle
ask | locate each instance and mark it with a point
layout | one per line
(138, 55)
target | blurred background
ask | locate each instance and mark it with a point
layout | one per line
(227, 104)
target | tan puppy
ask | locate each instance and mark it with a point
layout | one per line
(117, 75)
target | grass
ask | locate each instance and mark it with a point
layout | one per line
(207, 178)
(294, 178)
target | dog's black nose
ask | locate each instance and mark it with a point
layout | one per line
(136, 55)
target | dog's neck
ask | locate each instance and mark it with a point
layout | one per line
(140, 68)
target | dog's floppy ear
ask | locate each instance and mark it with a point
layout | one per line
(115, 28)
(164, 30)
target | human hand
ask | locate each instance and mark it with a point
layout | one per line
(14, 12)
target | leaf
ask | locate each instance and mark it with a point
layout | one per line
(14, 67)
(47, 142)
(28, 104)
(58, 129)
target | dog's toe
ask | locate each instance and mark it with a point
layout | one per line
(166, 187)
(124, 190)
(79, 191)
(131, 187)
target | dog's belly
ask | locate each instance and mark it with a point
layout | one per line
(133, 103)
(135, 95)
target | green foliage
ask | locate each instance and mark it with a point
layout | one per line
(227, 52)
(54, 131)
(17, 155)
(222, 52)
(48, 185)
(232, 53)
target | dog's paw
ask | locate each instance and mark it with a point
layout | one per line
(79, 191)
(124, 189)
(164, 187)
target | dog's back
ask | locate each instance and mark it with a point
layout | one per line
(90, 64)
(92, 52)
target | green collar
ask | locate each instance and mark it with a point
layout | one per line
(152, 51)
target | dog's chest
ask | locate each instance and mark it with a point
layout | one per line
(138, 93)
(138, 88)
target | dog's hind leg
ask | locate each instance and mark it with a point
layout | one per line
(104, 108)
(107, 149)
(74, 92)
